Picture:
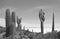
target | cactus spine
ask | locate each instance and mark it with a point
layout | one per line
(53, 23)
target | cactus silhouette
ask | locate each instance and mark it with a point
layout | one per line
(19, 23)
(42, 19)
(53, 23)
(8, 21)
(13, 25)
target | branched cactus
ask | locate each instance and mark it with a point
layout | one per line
(19, 23)
(42, 19)
(10, 23)
(8, 20)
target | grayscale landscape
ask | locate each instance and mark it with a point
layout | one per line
(29, 19)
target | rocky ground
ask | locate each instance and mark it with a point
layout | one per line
(25, 34)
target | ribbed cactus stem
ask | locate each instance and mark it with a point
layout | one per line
(13, 17)
(13, 23)
(12, 29)
(8, 20)
(8, 17)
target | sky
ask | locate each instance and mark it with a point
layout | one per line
(29, 11)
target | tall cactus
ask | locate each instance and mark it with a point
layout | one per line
(10, 23)
(42, 19)
(8, 20)
(53, 23)
(13, 27)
